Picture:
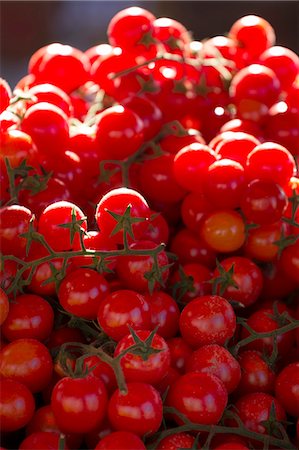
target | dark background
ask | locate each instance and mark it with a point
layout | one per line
(26, 26)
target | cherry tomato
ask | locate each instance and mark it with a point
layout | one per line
(165, 313)
(207, 320)
(247, 277)
(134, 270)
(176, 441)
(216, 360)
(202, 397)
(27, 361)
(55, 224)
(4, 307)
(82, 291)
(120, 309)
(135, 368)
(287, 388)
(17, 405)
(256, 374)
(122, 440)
(79, 404)
(46, 440)
(14, 222)
(117, 201)
(138, 411)
(223, 230)
(30, 316)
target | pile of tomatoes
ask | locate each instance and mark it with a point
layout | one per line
(149, 228)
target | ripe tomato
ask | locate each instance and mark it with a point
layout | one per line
(117, 201)
(218, 361)
(253, 409)
(82, 291)
(17, 405)
(4, 307)
(176, 441)
(135, 368)
(27, 361)
(165, 313)
(287, 388)
(256, 374)
(55, 225)
(120, 309)
(79, 404)
(46, 440)
(207, 320)
(119, 132)
(139, 411)
(133, 270)
(223, 230)
(202, 397)
(30, 316)
(14, 221)
(122, 440)
(248, 279)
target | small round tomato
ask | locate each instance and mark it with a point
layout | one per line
(4, 306)
(190, 166)
(201, 397)
(225, 183)
(122, 440)
(5, 94)
(284, 62)
(165, 313)
(98, 368)
(253, 409)
(207, 320)
(290, 262)
(46, 440)
(190, 248)
(190, 281)
(79, 404)
(51, 94)
(260, 244)
(256, 374)
(60, 224)
(17, 405)
(30, 316)
(194, 209)
(236, 146)
(265, 320)
(270, 162)
(139, 410)
(287, 388)
(223, 230)
(120, 309)
(246, 276)
(116, 203)
(263, 202)
(17, 146)
(119, 132)
(135, 368)
(176, 441)
(82, 291)
(14, 221)
(28, 361)
(218, 361)
(48, 126)
(139, 272)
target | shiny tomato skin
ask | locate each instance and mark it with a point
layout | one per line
(165, 313)
(46, 440)
(138, 411)
(255, 408)
(14, 221)
(17, 405)
(257, 376)
(30, 316)
(4, 306)
(223, 230)
(206, 320)
(122, 440)
(27, 361)
(287, 388)
(218, 361)
(135, 368)
(176, 441)
(82, 291)
(79, 404)
(120, 309)
(248, 278)
(202, 397)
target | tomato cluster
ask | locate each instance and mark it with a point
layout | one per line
(150, 242)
